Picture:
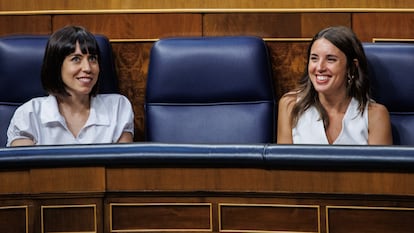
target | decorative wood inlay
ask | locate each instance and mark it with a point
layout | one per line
(341, 219)
(269, 218)
(9, 179)
(68, 218)
(14, 219)
(145, 217)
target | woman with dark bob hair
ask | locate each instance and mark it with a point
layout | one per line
(332, 104)
(73, 113)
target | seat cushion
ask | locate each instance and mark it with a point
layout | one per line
(210, 90)
(391, 66)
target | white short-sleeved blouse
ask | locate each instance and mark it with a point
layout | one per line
(39, 119)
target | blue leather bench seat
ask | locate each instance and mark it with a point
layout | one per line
(210, 90)
(266, 156)
(391, 67)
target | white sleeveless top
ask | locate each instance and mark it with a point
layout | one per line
(310, 128)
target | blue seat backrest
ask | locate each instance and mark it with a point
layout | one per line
(391, 67)
(210, 90)
(21, 58)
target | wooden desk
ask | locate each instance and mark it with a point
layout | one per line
(190, 188)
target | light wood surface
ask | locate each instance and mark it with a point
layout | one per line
(52, 5)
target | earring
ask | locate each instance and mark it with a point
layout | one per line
(350, 79)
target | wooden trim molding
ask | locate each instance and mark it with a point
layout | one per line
(375, 40)
(208, 10)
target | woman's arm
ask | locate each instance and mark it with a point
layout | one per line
(284, 126)
(379, 125)
(22, 142)
(126, 137)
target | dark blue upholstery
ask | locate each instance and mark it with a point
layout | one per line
(209, 90)
(391, 67)
(21, 59)
(267, 156)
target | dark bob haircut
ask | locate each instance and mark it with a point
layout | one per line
(59, 46)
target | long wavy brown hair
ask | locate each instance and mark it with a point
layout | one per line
(357, 86)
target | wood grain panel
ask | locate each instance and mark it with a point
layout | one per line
(254, 24)
(176, 4)
(258, 180)
(237, 218)
(73, 218)
(314, 22)
(369, 220)
(25, 24)
(70, 180)
(9, 179)
(288, 60)
(148, 216)
(285, 25)
(135, 26)
(131, 62)
(13, 219)
(383, 25)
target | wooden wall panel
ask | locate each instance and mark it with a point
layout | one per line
(188, 4)
(383, 25)
(146, 217)
(313, 22)
(274, 25)
(69, 218)
(13, 219)
(262, 217)
(258, 180)
(57, 180)
(263, 25)
(370, 220)
(135, 26)
(68, 212)
(190, 199)
(288, 60)
(28, 24)
(131, 62)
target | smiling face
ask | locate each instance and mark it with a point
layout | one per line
(80, 72)
(327, 68)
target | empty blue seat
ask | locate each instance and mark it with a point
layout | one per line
(391, 67)
(210, 90)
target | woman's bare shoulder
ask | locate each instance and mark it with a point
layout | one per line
(378, 113)
(377, 108)
(379, 125)
(288, 98)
